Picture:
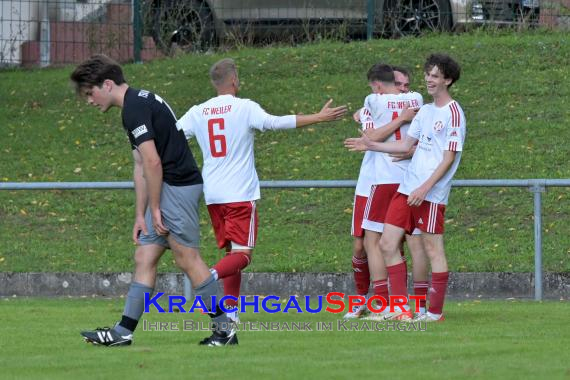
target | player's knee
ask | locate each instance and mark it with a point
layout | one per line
(371, 240)
(358, 248)
(187, 258)
(246, 254)
(144, 260)
(389, 248)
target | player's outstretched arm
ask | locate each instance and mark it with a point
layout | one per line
(382, 133)
(403, 156)
(363, 143)
(327, 113)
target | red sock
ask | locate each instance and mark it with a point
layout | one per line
(398, 283)
(232, 285)
(231, 264)
(380, 288)
(421, 289)
(437, 292)
(361, 275)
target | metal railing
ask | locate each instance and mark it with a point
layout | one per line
(536, 186)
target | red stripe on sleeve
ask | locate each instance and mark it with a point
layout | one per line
(455, 115)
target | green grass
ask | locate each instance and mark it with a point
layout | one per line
(513, 90)
(482, 340)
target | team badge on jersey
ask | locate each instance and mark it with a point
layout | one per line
(438, 126)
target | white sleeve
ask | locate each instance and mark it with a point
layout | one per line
(280, 122)
(185, 123)
(455, 129)
(366, 120)
(376, 105)
(415, 128)
(261, 120)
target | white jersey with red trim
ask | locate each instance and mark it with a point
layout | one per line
(384, 108)
(366, 177)
(437, 129)
(224, 128)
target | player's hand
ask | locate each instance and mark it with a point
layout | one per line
(358, 144)
(356, 116)
(329, 114)
(417, 196)
(157, 223)
(408, 114)
(138, 228)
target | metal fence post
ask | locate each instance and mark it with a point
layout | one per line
(537, 189)
(45, 35)
(187, 288)
(370, 21)
(137, 31)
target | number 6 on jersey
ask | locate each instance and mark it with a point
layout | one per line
(217, 150)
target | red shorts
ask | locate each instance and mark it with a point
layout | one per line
(357, 214)
(235, 222)
(377, 206)
(427, 217)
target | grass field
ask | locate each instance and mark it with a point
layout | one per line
(481, 340)
(513, 90)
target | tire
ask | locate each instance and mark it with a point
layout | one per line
(187, 25)
(414, 17)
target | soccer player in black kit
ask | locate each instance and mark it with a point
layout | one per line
(168, 186)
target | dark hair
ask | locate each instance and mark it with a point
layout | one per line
(95, 70)
(381, 72)
(446, 65)
(402, 70)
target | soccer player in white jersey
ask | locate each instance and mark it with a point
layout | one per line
(440, 129)
(224, 127)
(366, 179)
(388, 174)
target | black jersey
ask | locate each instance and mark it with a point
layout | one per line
(147, 116)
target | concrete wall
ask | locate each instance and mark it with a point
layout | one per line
(461, 285)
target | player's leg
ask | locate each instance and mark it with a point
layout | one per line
(206, 287)
(360, 266)
(420, 269)
(377, 267)
(232, 285)
(146, 257)
(397, 222)
(235, 225)
(396, 269)
(180, 210)
(359, 258)
(237, 257)
(373, 224)
(432, 215)
(433, 244)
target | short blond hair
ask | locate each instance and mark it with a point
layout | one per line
(222, 70)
